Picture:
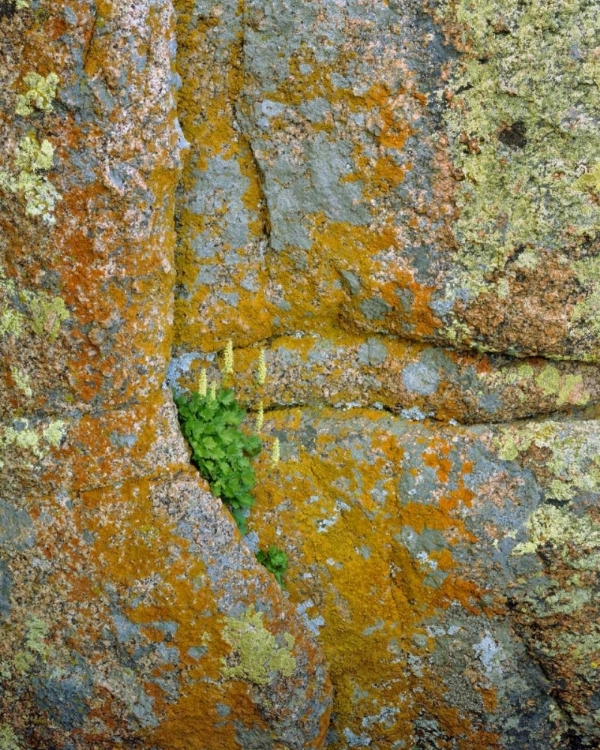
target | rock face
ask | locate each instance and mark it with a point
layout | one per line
(131, 613)
(398, 203)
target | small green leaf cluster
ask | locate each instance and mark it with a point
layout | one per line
(221, 451)
(275, 561)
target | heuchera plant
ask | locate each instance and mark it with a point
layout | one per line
(220, 449)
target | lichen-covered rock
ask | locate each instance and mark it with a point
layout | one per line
(416, 380)
(450, 572)
(397, 204)
(367, 159)
(131, 612)
(391, 211)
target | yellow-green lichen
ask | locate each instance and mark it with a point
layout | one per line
(40, 94)
(587, 312)
(54, 433)
(21, 380)
(8, 739)
(548, 380)
(11, 322)
(30, 440)
(565, 532)
(47, 312)
(572, 391)
(258, 657)
(523, 128)
(521, 374)
(590, 181)
(35, 647)
(27, 181)
(573, 460)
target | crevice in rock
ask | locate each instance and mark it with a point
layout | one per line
(244, 132)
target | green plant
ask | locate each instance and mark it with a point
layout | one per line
(275, 561)
(221, 451)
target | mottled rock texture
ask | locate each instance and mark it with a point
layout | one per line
(131, 614)
(398, 202)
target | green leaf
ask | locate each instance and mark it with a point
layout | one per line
(241, 521)
(275, 561)
(227, 397)
(220, 449)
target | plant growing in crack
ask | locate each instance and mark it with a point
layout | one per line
(275, 561)
(211, 419)
(211, 422)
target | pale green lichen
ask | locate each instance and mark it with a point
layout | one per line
(8, 739)
(31, 440)
(521, 374)
(565, 388)
(258, 657)
(11, 322)
(565, 532)
(590, 181)
(36, 635)
(587, 312)
(21, 380)
(573, 454)
(35, 647)
(31, 159)
(40, 94)
(54, 433)
(572, 391)
(47, 312)
(548, 380)
(22, 4)
(528, 259)
(523, 129)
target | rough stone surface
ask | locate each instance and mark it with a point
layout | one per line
(120, 575)
(396, 204)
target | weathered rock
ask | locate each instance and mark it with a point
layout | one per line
(450, 572)
(131, 612)
(417, 380)
(340, 163)
(398, 203)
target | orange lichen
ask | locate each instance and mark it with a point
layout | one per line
(205, 318)
(132, 540)
(339, 518)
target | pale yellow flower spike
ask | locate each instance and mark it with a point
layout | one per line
(212, 391)
(228, 359)
(261, 373)
(202, 383)
(260, 417)
(276, 453)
